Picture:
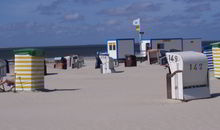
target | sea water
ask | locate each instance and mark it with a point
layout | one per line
(58, 51)
(82, 50)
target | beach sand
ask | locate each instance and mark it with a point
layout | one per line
(131, 99)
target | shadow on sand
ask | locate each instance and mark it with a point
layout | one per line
(117, 71)
(55, 90)
(51, 74)
(215, 95)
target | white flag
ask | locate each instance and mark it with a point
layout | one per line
(136, 22)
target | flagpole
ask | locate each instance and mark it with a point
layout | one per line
(137, 23)
(140, 32)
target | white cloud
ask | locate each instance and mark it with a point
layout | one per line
(72, 17)
(112, 22)
(132, 9)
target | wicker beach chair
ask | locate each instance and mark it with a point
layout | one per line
(2, 88)
(7, 85)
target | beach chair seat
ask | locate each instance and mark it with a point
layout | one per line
(7, 83)
(2, 88)
(7, 87)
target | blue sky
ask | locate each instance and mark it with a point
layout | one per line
(73, 22)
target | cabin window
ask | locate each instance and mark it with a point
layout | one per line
(160, 46)
(110, 47)
(114, 47)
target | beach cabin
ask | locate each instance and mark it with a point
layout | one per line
(167, 44)
(29, 69)
(188, 77)
(118, 48)
(177, 44)
(192, 44)
(141, 54)
(144, 46)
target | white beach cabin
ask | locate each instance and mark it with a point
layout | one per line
(180, 44)
(118, 48)
(144, 46)
(188, 78)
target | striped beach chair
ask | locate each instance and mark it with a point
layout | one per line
(216, 59)
(208, 53)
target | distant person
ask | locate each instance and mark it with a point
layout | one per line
(45, 67)
(98, 61)
(7, 66)
(64, 61)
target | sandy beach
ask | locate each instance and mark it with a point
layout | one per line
(131, 99)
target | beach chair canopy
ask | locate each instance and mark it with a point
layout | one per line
(2, 63)
(2, 68)
(217, 44)
(32, 52)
